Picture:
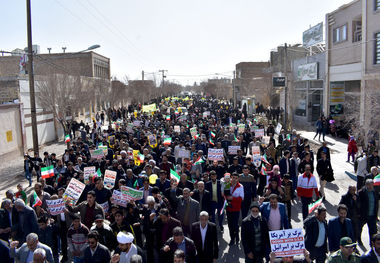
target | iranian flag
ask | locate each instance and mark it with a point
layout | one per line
(47, 172)
(168, 117)
(174, 175)
(224, 207)
(199, 161)
(136, 185)
(168, 141)
(376, 180)
(67, 138)
(314, 205)
(140, 157)
(212, 134)
(196, 136)
(98, 173)
(289, 137)
(264, 158)
(236, 139)
(37, 201)
(211, 142)
(263, 170)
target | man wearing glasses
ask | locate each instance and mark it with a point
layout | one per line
(345, 253)
(96, 252)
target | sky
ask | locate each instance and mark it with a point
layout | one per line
(193, 40)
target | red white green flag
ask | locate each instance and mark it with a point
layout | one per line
(47, 172)
(263, 170)
(140, 157)
(212, 134)
(236, 139)
(174, 175)
(199, 161)
(168, 117)
(264, 159)
(211, 142)
(376, 180)
(98, 173)
(36, 200)
(224, 207)
(314, 205)
(67, 138)
(168, 141)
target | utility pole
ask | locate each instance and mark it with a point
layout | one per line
(233, 89)
(163, 79)
(142, 75)
(31, 80)
(286, 88)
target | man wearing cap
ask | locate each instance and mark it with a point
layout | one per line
(126, 249)
(179, 241)
(345, 253)
(105, 233)
(254, 235)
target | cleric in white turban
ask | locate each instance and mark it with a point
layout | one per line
(126, 249)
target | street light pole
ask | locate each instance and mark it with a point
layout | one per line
(31, 80)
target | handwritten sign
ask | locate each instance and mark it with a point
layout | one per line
(56, 206)
(103, 148)
(285, 243)
(97, 154)
(215, 154)
(259, 133)
(278, 128)
(182, 153)
(73, 191)
(105, 206)
(109, 179)
(87, 172)
(119, 199)
(177, 128)
(137, 123)
(132, 194)
(256, 157)
(233, 149)
(241, 128)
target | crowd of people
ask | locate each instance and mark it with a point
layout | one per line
(186, 193)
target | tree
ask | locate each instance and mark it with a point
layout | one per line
(65, 96)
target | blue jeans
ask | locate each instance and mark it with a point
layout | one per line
(28, 177)
(217, 208)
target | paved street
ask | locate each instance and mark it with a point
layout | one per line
(11, 173)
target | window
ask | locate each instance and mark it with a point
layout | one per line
(357, 31)
(340, 34)
(377, 5)
(377, 49)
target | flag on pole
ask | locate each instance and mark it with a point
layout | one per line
(196, 136)
(174, 175)
(376, 180)
(212, 134)
(168, 141)
(211, 142)
(67, 138)
(168, 117)
(235, 139)
(314, 205)
(289, 137)
(136, 185)
(199, 161)
(36, 200)
(224, 207)
(264, 159)
(140, 157)
(264, 170)
(98, 173)
(47, 172)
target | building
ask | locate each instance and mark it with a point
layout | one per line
(353, 65)
(92, 69)
(306, 94)
(253, 79)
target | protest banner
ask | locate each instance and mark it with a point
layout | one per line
(193, 131)
(109, 179)
(254, 128)
(111, 140)
(206, 114)
(177, 128)
(152, 140)
(132, 194)
(73, 191)
(266, 140)
(288, 242)
(215, 154)
(233, 149)
(130, 128)
(149, 108)
(97, 154)
(56, 206)
(137, 123)
(105, 206)
(256, 156)
(259, 133)
(241, 128)
(182, 153)
(103, 148)
(119, 199)
(87, 172)
(278, 128)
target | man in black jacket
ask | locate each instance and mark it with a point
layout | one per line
(372, 255)
(204, 235)
(96, 252)
(254, 235)
(217, 200)
(203, 197)
(369, 207)
(316, 235)
(350, 199)
(176, 242)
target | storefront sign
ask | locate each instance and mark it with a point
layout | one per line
(308, 71)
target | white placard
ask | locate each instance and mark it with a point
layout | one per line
(288, 242)
(215, 154)
(56, 206)
(109, 179)
(73, 191)
(233, 149)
